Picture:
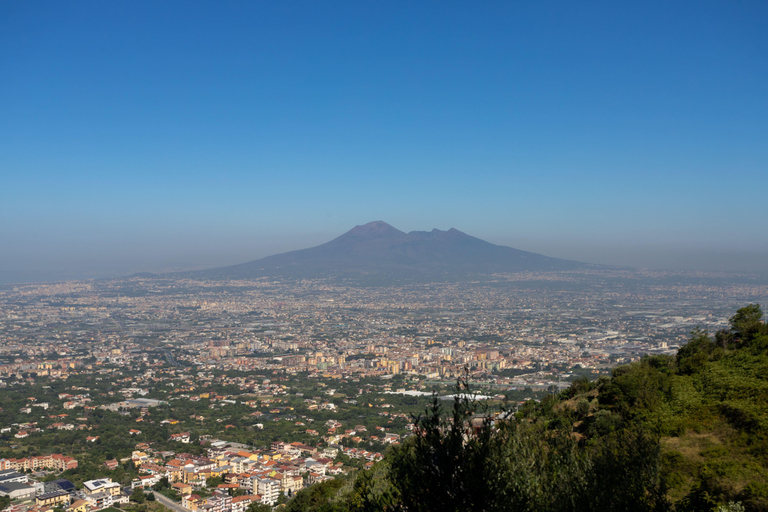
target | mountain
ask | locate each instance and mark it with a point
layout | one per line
(377, 249)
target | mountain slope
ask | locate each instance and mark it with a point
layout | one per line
(378, 249)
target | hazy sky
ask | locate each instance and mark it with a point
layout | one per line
(144, 135)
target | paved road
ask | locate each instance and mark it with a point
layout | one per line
(169, 503)
(170, 359)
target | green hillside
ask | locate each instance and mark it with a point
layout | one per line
(685, 433)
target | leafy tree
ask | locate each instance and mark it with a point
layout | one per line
(602, 423)
(138, 496)
(163, 483)
(442, 468)
(638, 389)
(723, 338)
(258, 507)
(582, 408)
(214, 482)
(692, 356)
(578, 386)
(747, 323)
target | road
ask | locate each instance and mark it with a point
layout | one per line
(169, 503)
(170, 359)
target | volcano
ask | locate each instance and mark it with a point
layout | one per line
(377, 249)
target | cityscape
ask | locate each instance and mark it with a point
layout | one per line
(536, 325)
(395, 256)
(220, 395)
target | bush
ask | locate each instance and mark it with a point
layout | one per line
(582, 408)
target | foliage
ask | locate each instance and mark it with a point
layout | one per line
(712, 407)
(258, 507)
(456, 464)
(746, 324)
(319, 497)
(138, 496)
(731, 507)
(214, 482)
(162, 484)
(692, 356)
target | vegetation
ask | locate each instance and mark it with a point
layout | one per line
(259, 507)
(684, 433)
(138, 496)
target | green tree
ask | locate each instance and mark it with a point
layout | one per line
(747, 323)
(259, 507)
(582, 408)
(692, 356)
(214, 482)
(138, 496)
(163, 483)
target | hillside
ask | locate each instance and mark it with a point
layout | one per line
(686, 433)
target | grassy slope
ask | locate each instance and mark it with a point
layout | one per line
(713, 421)
(719, 421)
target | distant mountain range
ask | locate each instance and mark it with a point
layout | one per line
(377, 250)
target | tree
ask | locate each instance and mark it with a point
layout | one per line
(723, 338)
(258, 507)
(162, 484)
(214, 482)
(692, 356)
(747, 323)
(442, 468)
(138, 496)
(582, 408)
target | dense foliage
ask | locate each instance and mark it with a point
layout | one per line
(684, 433)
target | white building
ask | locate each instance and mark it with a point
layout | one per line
(269, 490)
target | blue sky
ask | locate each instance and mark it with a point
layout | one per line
(178, 134)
